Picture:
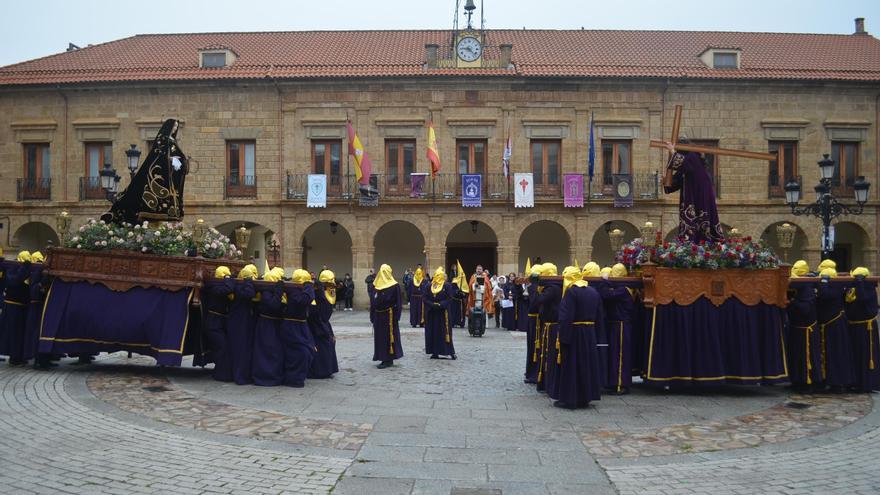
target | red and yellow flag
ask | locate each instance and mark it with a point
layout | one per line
(433, 154)
(362, 165)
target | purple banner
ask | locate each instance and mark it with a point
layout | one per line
(418, 185)
(472, 190)
(574, 190)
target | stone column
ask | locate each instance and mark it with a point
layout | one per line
(506, 259)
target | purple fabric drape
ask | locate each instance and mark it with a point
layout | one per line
(81, 318)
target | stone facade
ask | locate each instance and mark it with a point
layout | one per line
(283, 117)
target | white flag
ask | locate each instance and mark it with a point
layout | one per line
(505, 159)
(524, 191)
(317, 191)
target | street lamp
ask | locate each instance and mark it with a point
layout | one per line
(242, 238)
(273, 248)
(649, 234)
(133, 154)
(616, 238)
(826, 207)
(785, 237)
(109, 181)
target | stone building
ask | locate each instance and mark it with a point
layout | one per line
(261, 111)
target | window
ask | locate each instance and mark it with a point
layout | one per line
(846, 166)
(546, 164)
(784, 169)
(724, 60)
(616, 159)
(37, 161)
(712, 165)
(400, 159)
(472, 159)
(326, 159)
(241, 180)
(213, 59)
(98, 155)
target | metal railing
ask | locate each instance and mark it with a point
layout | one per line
(240, 186)
(776, 185)
(646, 186)
(33, 189)
(90, 188)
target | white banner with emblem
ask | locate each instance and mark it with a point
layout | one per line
(524, 190)
(317, 191)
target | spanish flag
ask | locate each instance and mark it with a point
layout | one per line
(362, 165)
(433, 154)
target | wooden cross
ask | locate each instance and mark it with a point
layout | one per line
(676, 123)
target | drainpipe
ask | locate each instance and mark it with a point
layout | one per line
(65, 150)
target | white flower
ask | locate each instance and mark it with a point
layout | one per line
(158, 233)
(144, 249)
(214, 244)
(97, 243)
(130, 234)
(140, 238)
(103, 243)
(146, 224)
(179, 237)
(79, 246)
(137, 227)
(75, 238)
(82, 228)
(92, 221)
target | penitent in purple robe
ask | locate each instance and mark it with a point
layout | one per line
(548, 301)
(385, 307)
(577, 377)
(416, 308)
(837, 357)
(325, 363)
(620, 311)
(861, 313)
(215, 306)
(804, 341)
(267, 367)
(240, 331)
(438, 326)
(697, 211)
(298, 345)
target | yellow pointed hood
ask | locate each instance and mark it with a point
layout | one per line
(23, 256)
(799, 269)
(418, 276)
(592, 269)
(860, 271)
(438, 280)
(826, 264)
(572, 276)
(328, 278)
(37, 257)
(618, 270)
(384, 279)
(222, 272)
(249, 272)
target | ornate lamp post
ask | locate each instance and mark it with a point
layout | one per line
(273, 248)
(616, 238)
(649, 234)
(109, 181)
(242, 239)
(826, 207)
(62, 222)
(734, 234)
(785, 238)
(133, 154)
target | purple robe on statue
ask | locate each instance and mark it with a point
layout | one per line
(837, 357)
(697, 211)
(438, 326)
(325, 363)
(298, 345)
(577, 379)
(861, 313)
(240, 331)
(385, 307)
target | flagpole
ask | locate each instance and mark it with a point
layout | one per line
(348, 168)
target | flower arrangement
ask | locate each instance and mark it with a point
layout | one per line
(167, 239)
(732, 253)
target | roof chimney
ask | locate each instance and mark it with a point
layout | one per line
(432, 54)
(860, 26)
(71, 47)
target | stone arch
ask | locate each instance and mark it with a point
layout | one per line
(327, 242)
(602, 253)
(399, 243)
(851, 246)
(547, 240)
(35, 236)
(256, 250)
(473, 243)
(797, 250)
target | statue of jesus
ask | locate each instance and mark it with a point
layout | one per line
(697, 211)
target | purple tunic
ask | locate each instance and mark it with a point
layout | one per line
(697, 212)
(620, 310)
(215, 303)
(521, 304)
(240, 331)
(804, 342)
(37, 288)
(298, 346)
(416, 307)
(325, 363)
(508, 315)
(268, 356)
(15, 309)
(837, 358)
(577, 379)
(548, 301)
(862, 317)
(438, 326)
(385, 307)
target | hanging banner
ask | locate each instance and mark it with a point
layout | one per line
(623, 190)
(573, 190)
(524, 190)
(317, 191)
(369, 193)
(471, 190)
(418, 185)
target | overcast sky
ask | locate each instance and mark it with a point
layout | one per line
(35, 28)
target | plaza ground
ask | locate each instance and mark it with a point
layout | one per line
(425, 426)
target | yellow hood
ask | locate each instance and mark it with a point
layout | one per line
(222, 272)
(605, 271)
(826, 264)
(328, 278)
(24, 256)
(384, 279)
(618, 270)
(548, 270)
(828, 272)
(37, 257)
(800, 268)
(438, 280)
(248, 272)
(418, 277)
(860, 271)
(591, 269)
(301, 276)
(572, 276)
(271, 276)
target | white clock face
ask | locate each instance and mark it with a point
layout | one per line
(469, 49)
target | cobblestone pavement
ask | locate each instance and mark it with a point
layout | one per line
(422, 427)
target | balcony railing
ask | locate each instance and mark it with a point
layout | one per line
(448, 187)
(241, 186)
(33, 189)
(776, 185)
(90, 188)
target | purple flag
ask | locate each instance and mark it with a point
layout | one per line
(418, 185)
(574, 190)
(471, 190)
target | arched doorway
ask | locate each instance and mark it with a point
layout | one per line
(257, 251)
(327, 243)
(547, 240)
(792, 254)
(472, 243)
(35, 236)
(602, 252)
(850, 243)
(400, 244)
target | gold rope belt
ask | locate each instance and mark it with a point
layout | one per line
(822, 336)
(809, 330)
(390, 328)
(216, 313)
(537, 346)
(545, 337)
(15, 303)
(269, 317)
(446, 320)
(870, 328)
(294, 319)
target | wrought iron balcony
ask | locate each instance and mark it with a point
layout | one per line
(33, 189)
(241, 186)
(776, 185)
(646, 186)
(90, 188)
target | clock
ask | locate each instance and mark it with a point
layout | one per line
(469, 49)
